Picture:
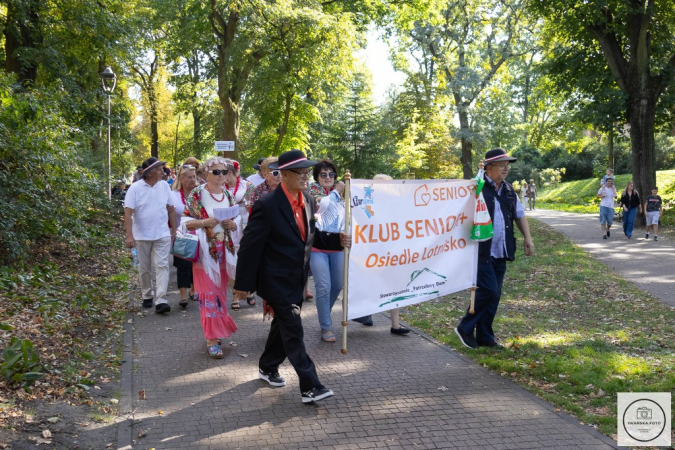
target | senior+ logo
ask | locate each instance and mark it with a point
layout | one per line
(366, 203)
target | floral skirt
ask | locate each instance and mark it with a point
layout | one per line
(216, 322)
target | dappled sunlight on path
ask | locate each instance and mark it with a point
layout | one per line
(647, 263)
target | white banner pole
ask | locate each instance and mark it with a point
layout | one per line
(345, 277)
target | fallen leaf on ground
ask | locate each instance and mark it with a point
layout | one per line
(141, 394)
(142, 433)
(46, 434)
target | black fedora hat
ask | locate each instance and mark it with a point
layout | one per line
(292, 159)
(496, 155)
(151, 163)
(257, 166)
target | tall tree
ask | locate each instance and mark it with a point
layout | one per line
(637, 43)
(240, 47)
(469, 42)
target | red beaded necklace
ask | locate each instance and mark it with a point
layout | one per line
(236, 188)
(182, 197)
(219, 201)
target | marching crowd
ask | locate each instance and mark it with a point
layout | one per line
(291, 225)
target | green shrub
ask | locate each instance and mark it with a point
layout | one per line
(45, 188)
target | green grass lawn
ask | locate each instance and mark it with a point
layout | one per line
(576, 333)
(580, 196)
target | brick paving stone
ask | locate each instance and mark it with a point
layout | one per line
(386, 392)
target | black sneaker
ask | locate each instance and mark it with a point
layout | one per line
(646, 235)
(608, 235)
(466, 339)
(162, 308)
(604, 237)
(316, 394)
(656, 238)
(274, 379)
(147, 303)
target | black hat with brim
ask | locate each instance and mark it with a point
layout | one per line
(292, 159)
(496, 155)
(257, 166)
(151, 163)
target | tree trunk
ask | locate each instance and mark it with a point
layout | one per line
(22, 31)
(284, 126)
(231, 124)
(197, 133)
(464, 135)
(154, 132)
(610, 152)
(641, 116)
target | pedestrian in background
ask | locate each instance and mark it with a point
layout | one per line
(607, 194)
(654, 211)
(630, 201)
(531, 195)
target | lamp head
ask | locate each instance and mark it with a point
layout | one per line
(109, 79)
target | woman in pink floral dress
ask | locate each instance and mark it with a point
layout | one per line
(215, 238)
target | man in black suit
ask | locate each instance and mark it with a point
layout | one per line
(273, 260)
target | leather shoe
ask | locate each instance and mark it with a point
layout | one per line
(401, 330)
(162, 308)
(365, 320)
(147, 303)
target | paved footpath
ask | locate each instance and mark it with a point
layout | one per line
(647, 263)
(390, 392)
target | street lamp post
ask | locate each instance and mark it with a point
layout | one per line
(108, 80)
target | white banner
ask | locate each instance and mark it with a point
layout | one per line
(410, 242)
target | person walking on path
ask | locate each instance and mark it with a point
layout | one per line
(523, 192)
(504, 208)
(148, 208)
(215, 239)
(327, 265)
(274, 260)
(607, 194)
(630, 201)
(532, 195)
(653, 211)
(185, 182)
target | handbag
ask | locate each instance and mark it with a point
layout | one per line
(186, 245)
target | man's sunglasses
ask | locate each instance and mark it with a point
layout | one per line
(219, 172)
(328, 175)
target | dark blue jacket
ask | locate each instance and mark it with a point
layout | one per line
(507, 203)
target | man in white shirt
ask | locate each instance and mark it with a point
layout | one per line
(607, 194)
(148, 211)
(257, 177)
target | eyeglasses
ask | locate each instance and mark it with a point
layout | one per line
(328, 175)
(275, 173)
(219, 172)
(506, 166)
(300, 174)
